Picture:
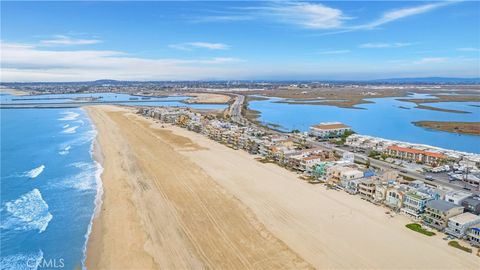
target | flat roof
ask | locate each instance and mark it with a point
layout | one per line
(332, 125)
(442, 205)
(465, 218)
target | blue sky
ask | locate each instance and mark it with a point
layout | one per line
(163, 40)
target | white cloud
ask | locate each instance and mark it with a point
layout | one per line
(188, 46)
(431, 60)
(307, 15)
(31, 63)
(62, 40)
(398, 14)
(380, 45)
(468, 49)
(334, 52)
(319, 16)
(223, 18)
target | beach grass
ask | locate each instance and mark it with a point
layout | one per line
(418, 228)
(455, 244)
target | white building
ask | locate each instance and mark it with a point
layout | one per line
(457, 196)
(459, 225)
(329, 129)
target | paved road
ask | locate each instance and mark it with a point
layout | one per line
(236, 109)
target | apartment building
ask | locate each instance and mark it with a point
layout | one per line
(329, 130)
(415, 155)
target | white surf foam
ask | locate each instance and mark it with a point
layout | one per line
(34, 172)
(29, 261)
(84, 180)
(98, 195)
(69, 116)
(29, 212)
(65, 150)
(70, 130)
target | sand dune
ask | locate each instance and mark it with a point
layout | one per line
(175, 199)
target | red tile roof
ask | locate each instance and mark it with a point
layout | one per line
(417, 151)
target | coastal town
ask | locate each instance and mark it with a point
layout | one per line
(328, 154)
(238, 135)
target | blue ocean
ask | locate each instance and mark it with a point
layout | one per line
(50, 187)
(50, 182)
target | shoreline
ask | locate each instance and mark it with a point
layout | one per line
(13, 92)
(280, 203)
(97, 157)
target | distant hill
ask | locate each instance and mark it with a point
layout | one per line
(429, 80)
(424, 80)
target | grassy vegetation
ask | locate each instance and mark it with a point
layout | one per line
(265, 160)
(455, 244)
(418, 228)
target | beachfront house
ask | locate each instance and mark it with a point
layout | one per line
(367, 189)
(415, 155)
(329, 130)
(414, 203)
(352, 186)
(458, 225)
(309, 163)
(395, 195)
(437, 213)
(473, 235)
(340, 175)
(381, 192)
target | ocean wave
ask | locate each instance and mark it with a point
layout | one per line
(65, 150)
(22, 261)
(98, 204)
(70, 130)
(81, 139)
(29, 212)
(66, 126)
(85, 180)
(34, 172)
(69, 116)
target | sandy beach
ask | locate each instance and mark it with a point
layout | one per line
(175, 199)
(13, 92)
(207, 98)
